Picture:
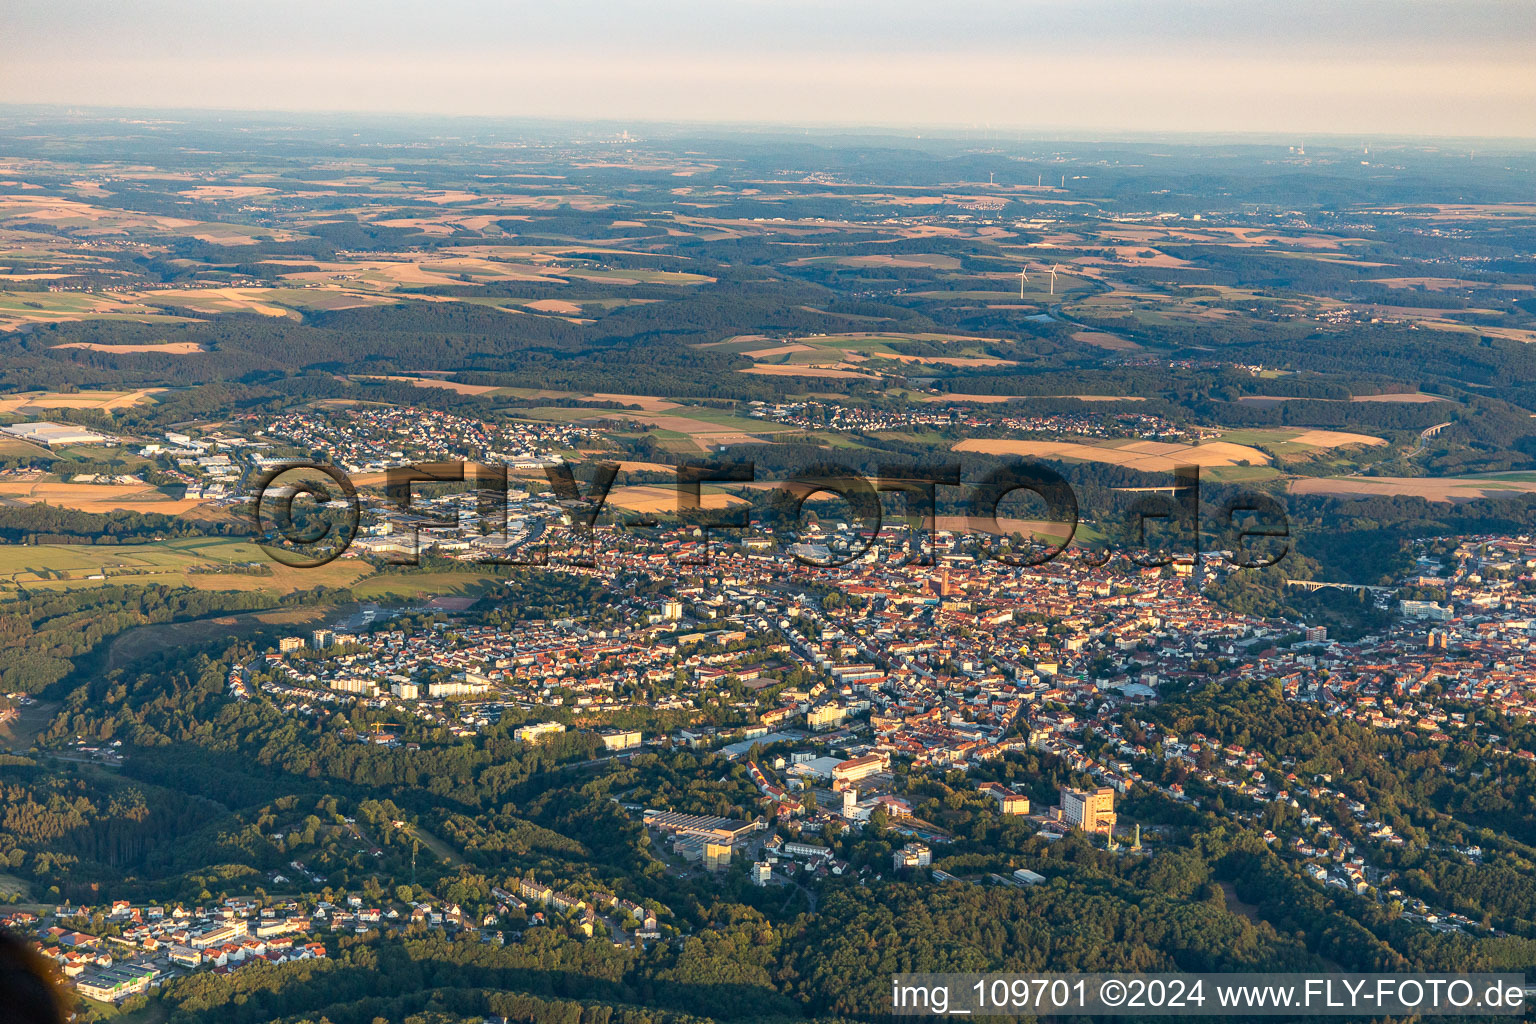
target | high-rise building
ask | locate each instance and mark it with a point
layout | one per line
(825, 717)
(717, 856)
(1092, 810)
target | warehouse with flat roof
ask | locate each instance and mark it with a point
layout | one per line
(52, 435)
(702, 826)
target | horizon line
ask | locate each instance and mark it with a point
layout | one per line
(956, 131)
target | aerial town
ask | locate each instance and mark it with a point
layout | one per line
(627, 574)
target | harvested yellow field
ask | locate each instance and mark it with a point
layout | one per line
(29, 208)
(664, 499)
(1334, 439)
(165, 508)
(101, 220)
(702, 432)
(1259, 237)
(17, 309)
(1147, 456)
(806, 371)
(1141, 256)
(767, 353)
(957, 398)
(41, 401)
(978, 399)
(227, 191)
(646, 403)
(1429, 488)
(217, 300)
(553, 306)
(130, 399)
(1507, 333)
(450, 197)
(1404, 396)
(170, 348)
(1043, 529)
(429, 382)
(1440, 284)
(387, 275)
(426, 227)
(948, 360)
(650, 403)
(905, 261)
(1100, 339)
(640, 467)
(97, 498)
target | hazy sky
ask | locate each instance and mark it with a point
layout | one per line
(1440, 67)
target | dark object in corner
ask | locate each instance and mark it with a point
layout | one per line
(28, 993)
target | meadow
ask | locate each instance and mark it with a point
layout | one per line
(193, 562)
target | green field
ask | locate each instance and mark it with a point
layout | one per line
(1279, 442)
(558, 414)
(1517, 476)
(16, 446)
(1239, 474)
(677, 277)
(835, 440)
(48, 306)
(678, 444)
(1259, 435)
(72, 566)
(928, 437)
(722, 418)
(406, 586)
(130, 460)
(726, 418)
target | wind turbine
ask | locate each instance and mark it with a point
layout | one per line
(1023, 276)
(1053, 278)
